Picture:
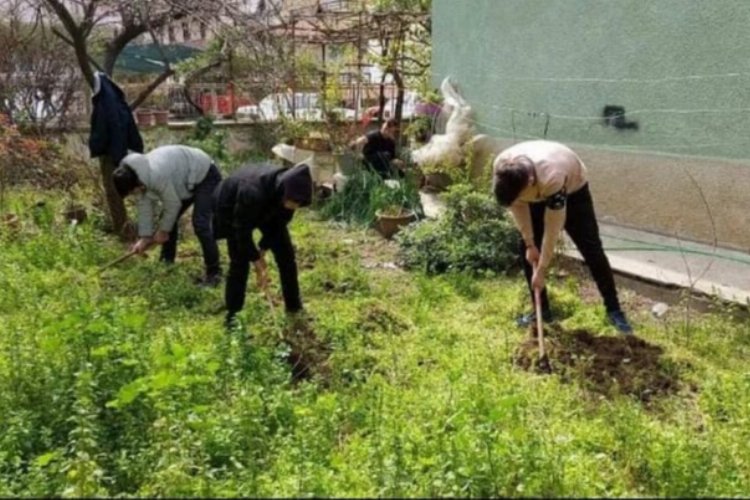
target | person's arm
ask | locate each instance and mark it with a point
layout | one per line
(274, 229)
(554, 221)
(521, 213)
(244, 220)
(171, 205)
(146, 210)
(358, 144)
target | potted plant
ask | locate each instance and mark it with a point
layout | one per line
(144, 117)
(160, 110)
(389, 220)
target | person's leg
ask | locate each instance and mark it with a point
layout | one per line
(169, 249)
(583, 229)
(581, 225)
(239, 270)
(202, 219)
(537, 222)
(283, 253)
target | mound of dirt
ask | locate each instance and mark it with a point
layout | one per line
(308, 355)
(607, 365)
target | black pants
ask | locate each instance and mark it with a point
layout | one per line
(581, 226)
(202, 200)
(239, 270)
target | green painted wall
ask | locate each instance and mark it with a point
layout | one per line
(681, 69)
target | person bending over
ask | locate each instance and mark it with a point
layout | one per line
(175, 177)
(262, 197)
(544, 185)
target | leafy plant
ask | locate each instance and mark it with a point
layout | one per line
(210, 139)
(365, 193)
(472, 235)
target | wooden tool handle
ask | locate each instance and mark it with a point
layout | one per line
(539, 327)
(117, 260)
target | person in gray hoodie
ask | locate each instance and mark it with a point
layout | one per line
(175, 177)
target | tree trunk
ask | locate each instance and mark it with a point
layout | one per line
(381, 99)
(399, 111)
(117, 212)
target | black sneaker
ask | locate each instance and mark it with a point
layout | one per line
(618, 319)
(232, 322)
(526, 320)
(209, 280)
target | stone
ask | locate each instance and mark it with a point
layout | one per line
(659, 309)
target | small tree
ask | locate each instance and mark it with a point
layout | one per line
(82, 24)
(404, 34)
(37, 85)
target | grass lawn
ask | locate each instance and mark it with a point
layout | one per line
(125, 382)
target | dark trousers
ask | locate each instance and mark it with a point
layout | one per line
(239, 270)
(202, 202)
(581, 226)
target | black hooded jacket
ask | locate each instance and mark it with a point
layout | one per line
(113, 129)
(252, 198)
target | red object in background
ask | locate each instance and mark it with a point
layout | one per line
(206, 102)
(224, 104)
(221, 104)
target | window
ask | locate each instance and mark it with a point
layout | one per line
(170, 33)
(204, 30)
(185, 31)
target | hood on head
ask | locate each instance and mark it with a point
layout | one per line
(297, 184)
(140, 165)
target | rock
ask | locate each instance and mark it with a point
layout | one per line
(659, 309)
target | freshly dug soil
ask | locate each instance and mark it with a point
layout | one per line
(308, 355)
(604, 364)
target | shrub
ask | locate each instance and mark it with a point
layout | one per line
(474, 235)
(34, 160)
(210, 139)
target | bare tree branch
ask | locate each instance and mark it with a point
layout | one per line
(143, 95)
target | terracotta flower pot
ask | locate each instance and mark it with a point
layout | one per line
(388, 225)
(144, 117)
(161, 117)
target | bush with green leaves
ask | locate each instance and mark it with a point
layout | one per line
(365, 193)
(474, 234)
(209, 138)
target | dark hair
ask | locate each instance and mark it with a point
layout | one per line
(510, 179)
(125, 180)
(391, 122)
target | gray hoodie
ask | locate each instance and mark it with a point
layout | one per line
(169, 173)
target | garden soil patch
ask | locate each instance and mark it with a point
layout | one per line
(604, 364)
(308, 355)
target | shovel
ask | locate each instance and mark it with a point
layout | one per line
(543, 363)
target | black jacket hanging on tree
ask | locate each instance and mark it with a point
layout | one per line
(113, 129)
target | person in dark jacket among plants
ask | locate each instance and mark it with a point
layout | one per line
(262, 197)
(379, 150)
(175, 177)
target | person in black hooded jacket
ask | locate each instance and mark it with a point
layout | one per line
(260, 197)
